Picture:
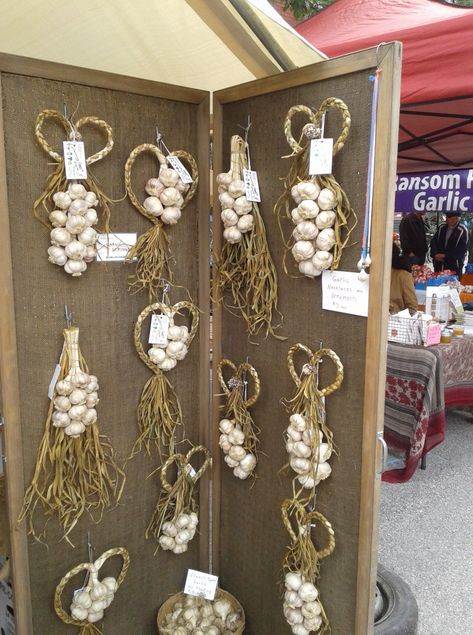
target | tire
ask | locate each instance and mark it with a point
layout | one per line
(400, 613)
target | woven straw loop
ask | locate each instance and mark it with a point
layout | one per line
(170, 311)
(183, 463)
(297, 522)
(92, 568)
(149, 147)
(315, 119)
(68, 128)
(239, 373)
(314, 360)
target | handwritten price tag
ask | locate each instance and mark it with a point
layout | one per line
(201, 584)
(114, 247)
(252, 193)
(180, 169)
(320, 157)
(158, 330)
(343, 292)
(74, 160)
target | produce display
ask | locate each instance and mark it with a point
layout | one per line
(167, 197)
(89, 602)
(238, 433)
(175, 518)
(244, 267)
(70, 209)
(317, 205)
(159, 410)
(75, 468)
(302, 606)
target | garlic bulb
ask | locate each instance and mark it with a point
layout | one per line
(171, 215)
(224, 179)
(296, 217)
(62, 200)
(226, 200)
(245, 223)
(326, 239)
(88, 236)
(308, 190)
(91, 199)
(232, 234)
(77, 207)
(236, 188)
(154, 187)
(91, 217)
(170, 197)
(325, 218)
(75, 250)
(153, 205)
(76, 190)
(242, 205)
(168, 176)
(229, 217)
(295, 194)
(322, 259)
(305, 230)
(60, 237)
(58, 218)
(308, 209)
(57, 255)
(303, 250)
(326, 199)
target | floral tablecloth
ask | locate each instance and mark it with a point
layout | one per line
(420, 382)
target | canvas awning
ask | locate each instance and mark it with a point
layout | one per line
(207, 45)
(436, 124)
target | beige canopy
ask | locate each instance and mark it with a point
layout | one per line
(207, 44)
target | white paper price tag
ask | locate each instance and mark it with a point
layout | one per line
(74, 160)
(320, 158)
(190, 471)
(180, 169)
(252, 193)
(343, 292)
(114, 247)
(53, 382)
(158, 330)
(201, 584)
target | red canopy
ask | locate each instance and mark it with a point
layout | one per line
(437, 70)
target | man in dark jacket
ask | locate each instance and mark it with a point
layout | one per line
(449, 244)
(413, 240)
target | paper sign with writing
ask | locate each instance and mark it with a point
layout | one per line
(114, 247)
(252, 193)
(201, 584)
(158, 330)
(74, 160)
(344, 293)
(53, 382)
(180, 169)
(320, 157)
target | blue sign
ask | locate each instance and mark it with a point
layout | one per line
(446, 191)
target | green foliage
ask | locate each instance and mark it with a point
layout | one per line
(303, 9)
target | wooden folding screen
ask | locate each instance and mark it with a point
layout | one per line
(240, 526)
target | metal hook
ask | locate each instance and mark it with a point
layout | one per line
(90, 548)
(246, 129)
(245, 382)
(166, 287)
(159, 135)
(67, 316)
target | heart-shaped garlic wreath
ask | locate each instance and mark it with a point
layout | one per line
(175, 518)
(244, 266)
(323, 217)
(239, 435)
(159, 410)
(75, 467)
(302, 607)
(168, 195)
(69, 209)
(88, 604)
(309, 440)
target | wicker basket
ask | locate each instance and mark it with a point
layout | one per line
(168, 607)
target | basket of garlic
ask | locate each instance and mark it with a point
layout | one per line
(244, 266)
(167, 197)
(75, 467)
(309, 440)
(302, 606)
(317, 205)
(175, 518)
(159, 410)
(70, 208)
(89, 602)
(238, 433)
(183, 614)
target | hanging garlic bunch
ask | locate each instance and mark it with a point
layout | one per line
(177, 534)
(89, 602)
(77, 396)
(69, 208)
(239, 434)
(308, 457)
(73, 238)
(237, 210)
(302, 607)
(166, 355)
(165, 195)
(323, 217)
(174, 521)
(198, 616)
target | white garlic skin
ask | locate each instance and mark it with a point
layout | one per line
(77, 207)
(326, 239)
(57, 255)
(171, 215)
(325, 219)
(242, 205)
(308, 190)
(75, 250)
(308, 209)
(60, 237)
(88, 237)
(303, 250)
(153, 205)
(229, 217)
(168, 176)
(58, 218)
(170, 197)
(62, 200)
(236, 188)
(225, 178)
(245, 223)
(305, 230)
(91, 217)
(154, 187)
(232, 235)
(326, 200)
(308, 269)
(322, 259)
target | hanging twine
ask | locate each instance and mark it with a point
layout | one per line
(345, 220)
(238, 402)
(57, 181)
(159, 411)
(71, 475)
(92, 568)
(179, 497)
(245, 269)
(151, 251)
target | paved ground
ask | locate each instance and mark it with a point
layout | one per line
(426, 532)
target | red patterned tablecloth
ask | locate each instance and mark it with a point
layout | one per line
(420, 382)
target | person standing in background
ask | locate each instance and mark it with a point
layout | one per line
(402, 294)
(449, 244)
(413, 239)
